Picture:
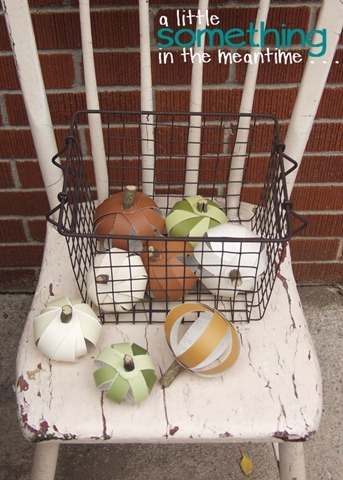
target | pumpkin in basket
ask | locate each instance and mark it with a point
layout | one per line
(166, 263)
(193, 216)
(128, 213)
(66, 329)
(126, 372)
(228, 267)
(116, 281)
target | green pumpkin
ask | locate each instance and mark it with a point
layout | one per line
(193, 216)
(126, 373)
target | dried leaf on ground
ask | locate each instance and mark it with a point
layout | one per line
(246, 465)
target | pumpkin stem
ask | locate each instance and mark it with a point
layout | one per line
(66, 313)
(154, 255)
(170, 374)
(129, 196)
(202, 205)
(235, 278)
(102, 279)
(128, 363)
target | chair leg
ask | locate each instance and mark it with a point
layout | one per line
(292, 461)
(44, 461)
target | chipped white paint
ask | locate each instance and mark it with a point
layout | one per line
(272, 393)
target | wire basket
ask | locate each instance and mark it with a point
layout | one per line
(223, 171)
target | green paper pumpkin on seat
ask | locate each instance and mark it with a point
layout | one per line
(126, 373)
(193, 216)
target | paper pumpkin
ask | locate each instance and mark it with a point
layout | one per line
(66, 329)
(207, 346)
(193, 216)
(128, 213)
(228, 267)
(126, 372)
(117, 281)
(166, 263)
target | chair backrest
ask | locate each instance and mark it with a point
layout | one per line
(24, 47)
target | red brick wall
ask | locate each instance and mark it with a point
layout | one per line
(318, 194)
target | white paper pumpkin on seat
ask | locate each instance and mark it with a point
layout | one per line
(66, 329)
(117, 281)
(228, 267)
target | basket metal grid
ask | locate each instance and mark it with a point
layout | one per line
(263, 206)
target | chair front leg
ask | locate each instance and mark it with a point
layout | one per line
(44, 461)
(292, 461)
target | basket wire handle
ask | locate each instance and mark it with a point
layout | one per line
(293, 162)
(301, 219)
(51, 214)
(289, 206)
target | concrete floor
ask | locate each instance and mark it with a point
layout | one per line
(323, 306)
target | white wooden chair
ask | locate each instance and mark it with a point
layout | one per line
(271, 395)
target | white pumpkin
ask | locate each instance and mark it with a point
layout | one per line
(117, 281)
(66, 329)
(229, 267)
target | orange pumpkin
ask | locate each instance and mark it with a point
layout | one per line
(114, 217)
(166, 263)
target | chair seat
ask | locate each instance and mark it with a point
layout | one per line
(272, 393)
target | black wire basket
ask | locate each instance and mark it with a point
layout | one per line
(210, 189)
